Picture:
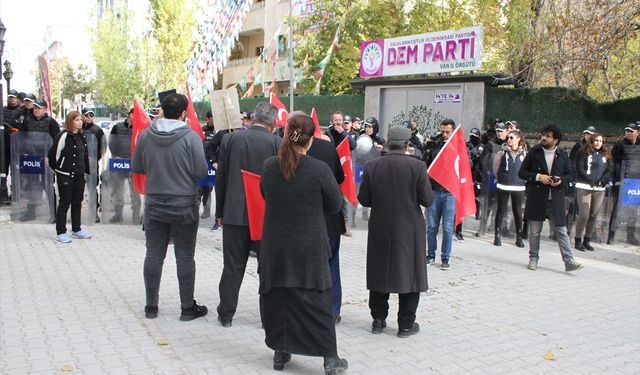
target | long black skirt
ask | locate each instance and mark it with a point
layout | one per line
(299, 321)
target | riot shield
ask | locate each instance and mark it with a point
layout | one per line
(623, 225)
(120, 204)
(32, 190)
(488, 203)
(90, 201)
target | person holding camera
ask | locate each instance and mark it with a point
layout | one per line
(546, 169)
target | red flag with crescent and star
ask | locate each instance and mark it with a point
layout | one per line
(348, 186)
(141, 121)
(283, 114)
(451, 169)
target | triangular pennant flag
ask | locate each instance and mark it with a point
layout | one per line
(141, 121)
(192, 116)
(348, 186)
(317, 133)
(255, 204)
(452, 170)
(283, 114)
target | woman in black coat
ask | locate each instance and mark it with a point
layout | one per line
(69, 159)
(295, 282)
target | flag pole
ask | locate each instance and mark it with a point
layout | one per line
(443, 147)
(291, 72)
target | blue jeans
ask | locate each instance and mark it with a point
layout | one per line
(444, 206)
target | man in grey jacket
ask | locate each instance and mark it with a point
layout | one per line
(171, 156)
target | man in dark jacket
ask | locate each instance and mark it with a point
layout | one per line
(396, 261)
(322, 149)
(95, 138)
(627, 151)
(204, 192)
(246, 150)
(120, 147)
(9, 113)
(171, 156)
(37, 121)
(545, 169)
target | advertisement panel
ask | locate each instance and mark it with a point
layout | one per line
(438, 52)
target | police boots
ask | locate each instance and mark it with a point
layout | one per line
(117, 217)
(29, 214)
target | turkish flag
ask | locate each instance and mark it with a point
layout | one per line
(192, 116)
(283, 114)
(317, 133)
(348, 186)
(141, 121)
(451, 169)
(255, 204)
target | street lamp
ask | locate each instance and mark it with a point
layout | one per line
(4, 196)
(8, 74)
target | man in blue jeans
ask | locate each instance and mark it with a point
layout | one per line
(444, 204)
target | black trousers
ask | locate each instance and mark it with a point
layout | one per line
(516, 204)
(379, 306)
(236, 243)
(71, 190)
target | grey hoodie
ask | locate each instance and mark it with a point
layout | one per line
(171, 155)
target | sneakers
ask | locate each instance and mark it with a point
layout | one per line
(406, 332)
(378, 325)
(431, 261)
(215, 226)
(459, 237)
(533, 264)
(64, 238)
(335, 366)
(195, 311)
(224, 322)
(151, 312)
(445, 266)
(572, 265)
(81, 235)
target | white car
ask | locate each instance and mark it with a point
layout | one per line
(105, 124)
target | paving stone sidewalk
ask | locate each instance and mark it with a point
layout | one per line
(78, 308)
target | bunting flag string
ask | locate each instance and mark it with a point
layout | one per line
(332, 48)
(219, 27)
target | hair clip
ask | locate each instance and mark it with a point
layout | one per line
(293, 137)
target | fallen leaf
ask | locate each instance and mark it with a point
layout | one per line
(163, 342)
(549, 356)
(66, 368)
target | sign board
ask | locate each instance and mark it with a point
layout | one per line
(447, 97)
(438, 52)
(120, 165)
(225, 108)
(30, 164)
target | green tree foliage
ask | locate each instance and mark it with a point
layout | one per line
(173, 30)
(67, 81)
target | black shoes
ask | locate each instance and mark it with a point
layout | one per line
(587, 244)
(497, 241)
(151, 312)
(335, 366)
(445, 266)
(280, 359)
(378, 325)
(195, 311)
(338, 319)
(224, 322)
(579, 245)
(519, 241)
(406, 332)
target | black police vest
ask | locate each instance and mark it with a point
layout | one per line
(509, 168)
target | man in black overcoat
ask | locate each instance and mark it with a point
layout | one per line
(395, 186)
(546, 169)
(240, 150)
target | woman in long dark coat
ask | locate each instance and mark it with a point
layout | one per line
(295, 282)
